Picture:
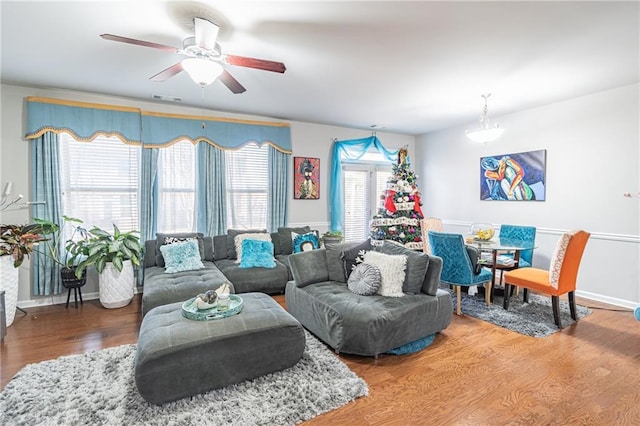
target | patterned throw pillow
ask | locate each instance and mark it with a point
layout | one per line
(392, 273)
(364, 280)
(257, 254)
(253, 236)
(558, 258)
(181, 256)
(170, 238)
(350, 257)
(304, 242)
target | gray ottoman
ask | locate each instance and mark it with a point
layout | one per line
(178, 357)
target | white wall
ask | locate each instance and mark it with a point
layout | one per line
(308, 140)
(593, 158)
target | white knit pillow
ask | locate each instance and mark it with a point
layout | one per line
(558, 258)
(263, 236)
(391, 272)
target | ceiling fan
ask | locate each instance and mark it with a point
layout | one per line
(204, 57)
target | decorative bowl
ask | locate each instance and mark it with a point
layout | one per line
(482, 231)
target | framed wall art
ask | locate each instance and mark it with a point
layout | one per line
(514, 177)
(306, 180)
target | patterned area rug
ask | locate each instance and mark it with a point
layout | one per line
(98, 388)
(532, 319)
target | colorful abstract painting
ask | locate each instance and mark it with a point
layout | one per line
(514, 177)
(306, 181)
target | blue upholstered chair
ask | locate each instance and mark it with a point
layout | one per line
(457, 268)
(523, 233)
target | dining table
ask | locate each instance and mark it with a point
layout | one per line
(497, 260)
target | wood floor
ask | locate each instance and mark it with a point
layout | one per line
(474, 372)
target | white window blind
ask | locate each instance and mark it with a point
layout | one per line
(100, 182)
(247, 187)
(176, 188)
(364, 182)
(356, 203)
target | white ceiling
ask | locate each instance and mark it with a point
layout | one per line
(408, 67)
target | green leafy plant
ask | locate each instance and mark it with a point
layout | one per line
(18, 241)
(332, 236)
(103, 247)
(72, 253)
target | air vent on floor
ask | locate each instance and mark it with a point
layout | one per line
(167, 98)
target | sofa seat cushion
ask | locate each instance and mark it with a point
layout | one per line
(161, 289)
(366, 325)
(266, 280)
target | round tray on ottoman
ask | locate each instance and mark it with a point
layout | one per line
(190, 311)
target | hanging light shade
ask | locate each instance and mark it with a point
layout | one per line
(487, 132)
(202, 71)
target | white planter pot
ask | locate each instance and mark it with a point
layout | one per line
(9, 283)
(116, 288)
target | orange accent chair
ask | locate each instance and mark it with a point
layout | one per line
(429, 224)
(558, 280)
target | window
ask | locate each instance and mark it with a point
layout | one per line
(364, 183)
(177, 188)
(247, 173)
(99, 182)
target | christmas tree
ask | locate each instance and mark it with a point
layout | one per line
(399, 212)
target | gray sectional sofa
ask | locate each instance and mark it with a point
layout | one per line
(321, 300)
(218, 255)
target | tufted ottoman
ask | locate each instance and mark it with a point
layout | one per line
(178, 357)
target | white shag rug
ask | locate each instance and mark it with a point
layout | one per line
(98, 388)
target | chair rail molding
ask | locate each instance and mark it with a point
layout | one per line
(629, 238)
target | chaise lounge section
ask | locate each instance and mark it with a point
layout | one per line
(321, 300)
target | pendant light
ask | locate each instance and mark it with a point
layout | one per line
(486, 132)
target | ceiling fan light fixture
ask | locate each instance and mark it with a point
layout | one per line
(487, 132)
(202, 71)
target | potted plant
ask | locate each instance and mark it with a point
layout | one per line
(331, 237)
(114, 255)
(67, 251)
(16, 243)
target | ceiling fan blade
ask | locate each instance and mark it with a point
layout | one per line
(261, 64)
(167, 73)
(206, 33)
(233, 84)
(139, 42)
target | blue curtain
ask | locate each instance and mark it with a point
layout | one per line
(46, 188)
(211, 187)
(348, 150)
(278, 196)
(148, 193)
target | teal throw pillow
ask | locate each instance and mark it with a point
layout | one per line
(257, 254)
(305, 242)
(181, 256)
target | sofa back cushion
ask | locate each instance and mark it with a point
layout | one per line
(417, 263)
(334, 260)
(432, 279)
(275, 239)
(309, 267)
(284, 237)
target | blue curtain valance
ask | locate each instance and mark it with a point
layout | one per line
(161, 129)
(133, 126)
(83, 120)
